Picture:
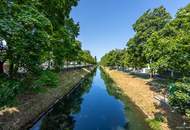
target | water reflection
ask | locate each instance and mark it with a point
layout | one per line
(61, 117)
(136, 118)
(97, 105)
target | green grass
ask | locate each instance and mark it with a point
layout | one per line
(154, 124)
(39, 90)
(47, 79)
(10, 89)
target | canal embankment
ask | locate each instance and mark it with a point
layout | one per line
(96, 105)
(31, 106)
(141, 93)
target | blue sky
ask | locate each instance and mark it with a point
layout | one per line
(107, 24)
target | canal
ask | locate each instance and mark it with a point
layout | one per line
(97, 104)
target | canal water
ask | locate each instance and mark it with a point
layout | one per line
(97, 104)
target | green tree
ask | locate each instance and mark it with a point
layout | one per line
(26, 32)
(37, 31)
(150, 22)
(87, 58)
(65, 30)
(169, 48)
(114, 58)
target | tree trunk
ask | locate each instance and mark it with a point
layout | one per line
(11, 70)
(151, 73)
(1, 67)
(172, 74)
(49, 64)
(15, 69)
(67, 65)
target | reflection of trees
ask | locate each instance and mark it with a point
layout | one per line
(115, 91)
(110, 85)
(134, 114)
(60, 118)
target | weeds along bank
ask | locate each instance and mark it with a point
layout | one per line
(25, 107)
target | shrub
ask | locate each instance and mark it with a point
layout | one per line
(154, 124)
(187, 112)
(47, 79)
(159, 117)
(186, 80)
(8, 91)
(180, 98)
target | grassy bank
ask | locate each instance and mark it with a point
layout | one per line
(141, 93)
(29, 105)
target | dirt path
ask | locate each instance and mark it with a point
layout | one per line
(32, 105)
(143, 96)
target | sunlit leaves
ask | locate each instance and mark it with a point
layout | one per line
(150, 22)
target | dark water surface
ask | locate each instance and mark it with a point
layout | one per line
(96, 105)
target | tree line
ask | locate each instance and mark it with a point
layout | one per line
(38, 31)
(162, 43)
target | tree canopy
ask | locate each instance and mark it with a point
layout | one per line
(38, 31)
(151, 21)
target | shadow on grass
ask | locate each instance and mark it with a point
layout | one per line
(158, 85)
(135, 74)
(174, 119)
(139, 75)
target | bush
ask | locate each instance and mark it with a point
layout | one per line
(187, 112)
(47, 79)
(159, 117)
(180, 98)
(8, 91)
(186, 80)
(154, 124)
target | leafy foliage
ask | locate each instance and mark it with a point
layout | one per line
(9, 90)
(150, 22)
(47, 79)
(86, 57)
(37, 32)
(154, 124)
(114, 58)
(180, 98)
(25, 30)
(172, 42)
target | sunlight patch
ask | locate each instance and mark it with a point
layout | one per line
(86, 70)
(9, 110)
